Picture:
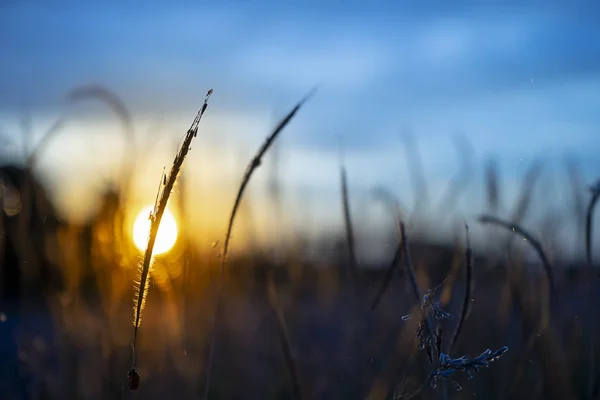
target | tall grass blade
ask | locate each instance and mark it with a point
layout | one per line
(254, 164)
(348, 226)
(532, 241)
(160, 205)
(467, 300)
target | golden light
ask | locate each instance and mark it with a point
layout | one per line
(167, 231)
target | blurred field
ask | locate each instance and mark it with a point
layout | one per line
(66, 294)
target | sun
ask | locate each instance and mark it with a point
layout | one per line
(167, 231)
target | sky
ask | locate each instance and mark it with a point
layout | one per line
(515, 81)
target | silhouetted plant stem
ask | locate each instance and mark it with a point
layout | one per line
(254, 164)
(467, 299)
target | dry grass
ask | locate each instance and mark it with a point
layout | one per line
(254, 164)
(281, 334)
(165, 187)
(467, 299)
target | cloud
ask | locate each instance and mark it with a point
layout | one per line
(339, 63)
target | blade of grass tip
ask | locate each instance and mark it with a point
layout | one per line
(155, 218)
(467, 299)
(595, 189)
(530, 239)
(254, 164)
(164, 192)
(348, 225)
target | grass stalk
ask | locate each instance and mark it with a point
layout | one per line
(165, 188)
(348, 226)
(467, 299)
(527, 236)
(254, 164)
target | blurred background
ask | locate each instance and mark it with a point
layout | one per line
(455, 110)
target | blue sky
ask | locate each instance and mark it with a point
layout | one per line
(519, 80)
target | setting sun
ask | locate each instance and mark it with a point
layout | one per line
(167, 232)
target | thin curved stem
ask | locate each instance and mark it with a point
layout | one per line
(527, 236)
(467, 299)
(349, 227)
(162, 198)
(254, 164)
